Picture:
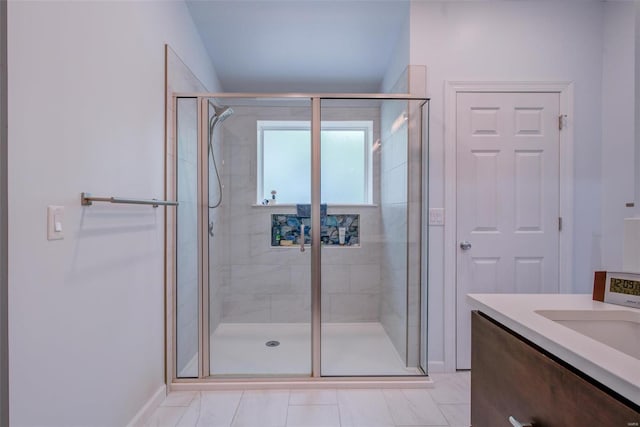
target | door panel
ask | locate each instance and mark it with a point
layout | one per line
(507, 198)
(485, 199)
(529, 191)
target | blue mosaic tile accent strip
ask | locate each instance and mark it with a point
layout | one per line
(287, 227)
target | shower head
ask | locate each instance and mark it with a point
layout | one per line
(222, 112)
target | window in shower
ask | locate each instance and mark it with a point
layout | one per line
(284, 161)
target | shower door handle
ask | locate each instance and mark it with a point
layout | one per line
(301, 237)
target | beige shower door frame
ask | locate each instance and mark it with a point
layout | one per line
(416, 254)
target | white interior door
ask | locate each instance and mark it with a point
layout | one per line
(507, 199)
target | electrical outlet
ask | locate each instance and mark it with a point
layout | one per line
(436, 216)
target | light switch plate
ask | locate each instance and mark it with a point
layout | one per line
(55, 214)
(436, 216)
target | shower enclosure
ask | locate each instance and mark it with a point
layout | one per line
(299, 250)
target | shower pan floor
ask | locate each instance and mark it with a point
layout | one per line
(348, 349)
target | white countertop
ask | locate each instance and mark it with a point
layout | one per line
(616, 370)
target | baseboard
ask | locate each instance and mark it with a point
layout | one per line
(145, 412)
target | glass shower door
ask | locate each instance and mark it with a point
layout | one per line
(370, 183)
(259, 178)
(259, 278)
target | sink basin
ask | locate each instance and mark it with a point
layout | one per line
(615, 328)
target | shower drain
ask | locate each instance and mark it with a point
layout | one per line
(272, 343)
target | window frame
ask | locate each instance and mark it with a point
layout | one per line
(363, 125)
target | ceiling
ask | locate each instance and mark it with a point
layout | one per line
(300, 45)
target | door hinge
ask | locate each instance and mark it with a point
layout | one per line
(561, 119)
(559, 223)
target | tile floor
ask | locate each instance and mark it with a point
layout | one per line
(446, 404)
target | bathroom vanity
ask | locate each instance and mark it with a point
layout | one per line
(554, 360)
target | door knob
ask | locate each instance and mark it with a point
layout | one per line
(465, 246)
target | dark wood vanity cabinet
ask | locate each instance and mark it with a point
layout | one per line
(512, 377)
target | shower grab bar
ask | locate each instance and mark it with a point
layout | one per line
(86, 199)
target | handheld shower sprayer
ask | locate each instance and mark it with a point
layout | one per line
(220, 114)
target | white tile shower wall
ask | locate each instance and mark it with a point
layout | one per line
(393, 308)
(351, 276)
(267, 284)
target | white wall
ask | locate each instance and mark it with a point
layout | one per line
(395, 78)
(513, 41)
(618, 127)
(87, 114)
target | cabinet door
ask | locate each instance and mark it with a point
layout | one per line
(510, 377)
